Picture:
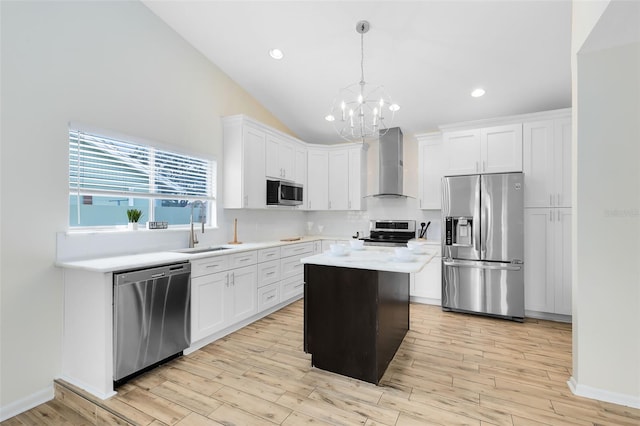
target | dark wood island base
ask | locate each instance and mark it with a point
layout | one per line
(354, 319)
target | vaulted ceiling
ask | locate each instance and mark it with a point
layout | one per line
(429, 55)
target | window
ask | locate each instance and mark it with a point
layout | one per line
(108, 176)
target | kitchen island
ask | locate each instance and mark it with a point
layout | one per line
(356, 309)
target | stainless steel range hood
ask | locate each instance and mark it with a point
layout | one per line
(390, 164)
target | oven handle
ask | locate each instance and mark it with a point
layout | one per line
(481, 265)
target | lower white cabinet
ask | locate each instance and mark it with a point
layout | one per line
(548, 260)
(222, 298)
(426, 286)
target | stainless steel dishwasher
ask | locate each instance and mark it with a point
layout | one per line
(151, 316)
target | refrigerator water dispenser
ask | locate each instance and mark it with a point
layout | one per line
(459, 231)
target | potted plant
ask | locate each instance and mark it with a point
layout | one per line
(134, 216)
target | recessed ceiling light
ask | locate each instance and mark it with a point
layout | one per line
(477, 93)
(394, 107)
(329, 117)
(276, 53)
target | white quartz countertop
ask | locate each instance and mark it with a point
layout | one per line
(372, 258)
(143, 260)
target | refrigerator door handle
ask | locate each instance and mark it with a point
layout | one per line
(477, 236)
(484, 214)
(481, 265)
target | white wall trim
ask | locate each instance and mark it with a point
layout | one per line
(510, 119)
(27, 403)
(603, 395)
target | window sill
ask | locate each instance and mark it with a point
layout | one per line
(124, 229)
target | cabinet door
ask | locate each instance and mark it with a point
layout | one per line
(538, 163)
(301, 168)
(243, 284)
(428, 282)
(501, 149)
(562, 163)
(318, 180)
(338, 179)
(254, 182)
(430, 172)
(462, 152)
(356, 179)
(272, 165)
(208, 307)
(538, 260)
(286, 160)
(562, 257)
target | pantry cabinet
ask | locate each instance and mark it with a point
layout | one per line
(547, 163)
(336, 178)
(548, 260)
(487, 150)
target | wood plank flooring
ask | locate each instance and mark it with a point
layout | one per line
(451, 369)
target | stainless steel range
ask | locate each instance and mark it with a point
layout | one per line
(390, 233)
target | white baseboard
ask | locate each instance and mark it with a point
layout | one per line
(27, 403)
(548, 316)
(603, 395)
(425, 300)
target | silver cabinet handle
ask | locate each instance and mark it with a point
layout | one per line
(213, 266)
(558, 198)
(271, 297)
(270, 273)
(227, 280)
(484, 166)
(550, 215)
(558, 215)
(550, 199)
(233, 278)
(477, 167)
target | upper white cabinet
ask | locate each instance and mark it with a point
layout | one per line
(280, 158)
(357, 180)
(339, 179)
(488, 150)
(335, 178)
(317, 179)
(244, 166)
(431, 169)
(547, 163)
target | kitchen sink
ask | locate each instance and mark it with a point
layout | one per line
(200, 250)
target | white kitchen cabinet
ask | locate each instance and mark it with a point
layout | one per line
(318, 179)
(279, 158)
(462, 150)
(426, 286)
(208, 304)
(242, 294)
(339, 179)
(431, 169)
(357, 180)
(501, 149)
(300, 175)
(223, 292)
(244, 164)
(547, 163)
(495, 149)
(548, 260)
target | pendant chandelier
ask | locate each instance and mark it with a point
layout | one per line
(362, 111)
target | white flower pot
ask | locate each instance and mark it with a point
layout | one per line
(133, 226)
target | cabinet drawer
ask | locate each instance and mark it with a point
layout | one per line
(265, 255)
(209, 265)
(291, 287)
(296, 249)
(243, 259)
(268, 272)
(268, 296)
(291, 267)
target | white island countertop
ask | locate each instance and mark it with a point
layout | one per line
(372, 258)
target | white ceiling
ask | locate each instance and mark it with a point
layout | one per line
(429, 55)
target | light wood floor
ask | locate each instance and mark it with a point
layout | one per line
(451, 369)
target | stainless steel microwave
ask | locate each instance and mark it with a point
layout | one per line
(283, 193)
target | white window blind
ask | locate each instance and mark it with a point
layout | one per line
(102, 165)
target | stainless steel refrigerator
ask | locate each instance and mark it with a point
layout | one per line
(483, 244)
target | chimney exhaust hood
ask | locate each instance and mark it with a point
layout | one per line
(390, 164)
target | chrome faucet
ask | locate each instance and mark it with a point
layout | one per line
(193, 239)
